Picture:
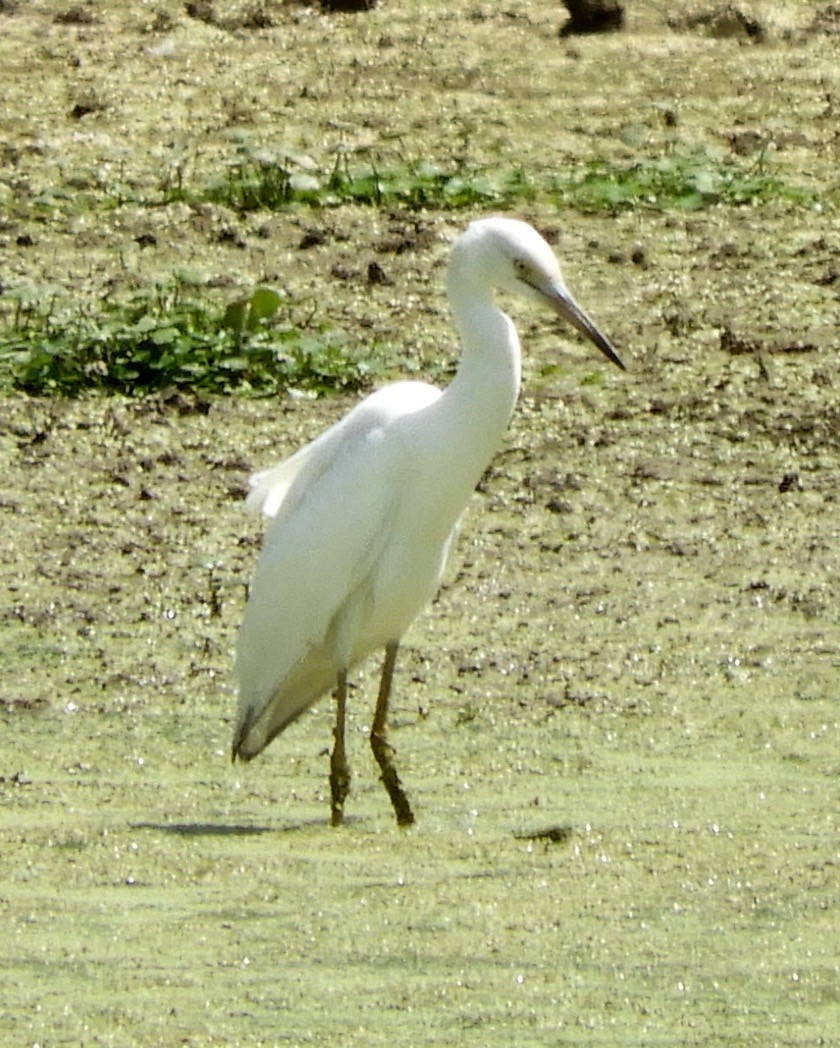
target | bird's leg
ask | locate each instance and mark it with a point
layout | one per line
(382, 749)
(339, 768)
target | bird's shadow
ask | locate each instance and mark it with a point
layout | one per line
(220, 829)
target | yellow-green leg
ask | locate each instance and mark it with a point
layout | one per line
(383, 751)
(339, 768)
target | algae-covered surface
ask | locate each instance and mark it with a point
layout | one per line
(618, 724)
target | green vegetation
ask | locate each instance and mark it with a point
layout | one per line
(163, 337)
(676, 182)
(619, 719)
(166, 338)
(256, 179)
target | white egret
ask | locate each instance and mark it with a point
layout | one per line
(362, 518)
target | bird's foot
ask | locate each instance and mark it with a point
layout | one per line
(402, 809)
(339, 788)
(383, 751)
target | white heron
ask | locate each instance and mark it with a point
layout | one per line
(362, 518)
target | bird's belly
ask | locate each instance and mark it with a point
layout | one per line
(406, 580)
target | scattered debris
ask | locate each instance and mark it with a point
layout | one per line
(75, 15)
(349, 5)
(22, 702)
(790, 482)
(551, 834)
(826, 21)
(20, 778)
(723, 22)
(738, 345)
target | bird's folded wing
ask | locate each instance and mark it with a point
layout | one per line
(270, 487)
(328, 531)
(277, 491)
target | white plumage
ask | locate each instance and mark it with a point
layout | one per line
(362, 518)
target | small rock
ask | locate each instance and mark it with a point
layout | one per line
(790, 482)
(202, 11)
(87, 102)
(737, 345)
(312, 238)
(593, 16)
(76, 15)
(746, 140)
(376, 274)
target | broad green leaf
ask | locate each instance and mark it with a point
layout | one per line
(263, 305)
(235, 316)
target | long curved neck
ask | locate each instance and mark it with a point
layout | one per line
(479, 401)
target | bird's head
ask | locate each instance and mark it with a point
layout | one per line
(504, 254)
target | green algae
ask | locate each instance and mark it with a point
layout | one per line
(617, 723)
(659, 682)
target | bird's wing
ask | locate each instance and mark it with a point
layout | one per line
(270, 488)
(275, 492)
(331, 513)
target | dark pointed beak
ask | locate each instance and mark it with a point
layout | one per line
(565, 306)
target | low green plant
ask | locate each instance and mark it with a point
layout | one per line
(246, 315)
(257, 178)
(682, 182)
(167, 339)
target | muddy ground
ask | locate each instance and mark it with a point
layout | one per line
(618, 723)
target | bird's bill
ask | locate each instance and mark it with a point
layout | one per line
(565, 306)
